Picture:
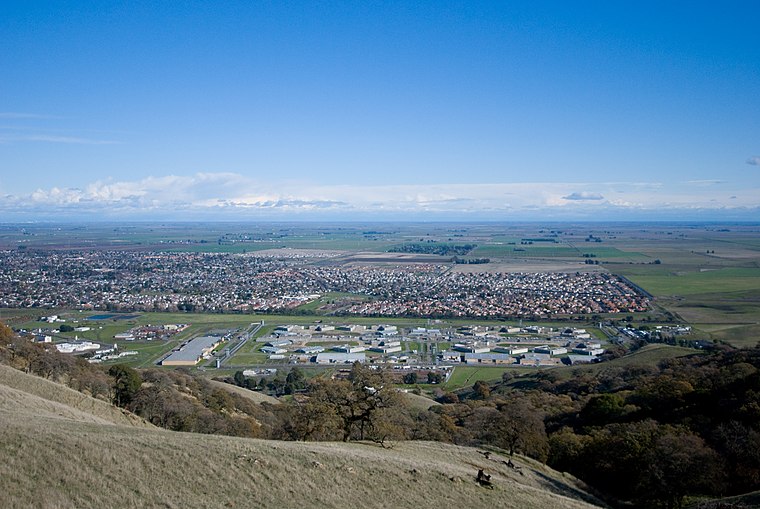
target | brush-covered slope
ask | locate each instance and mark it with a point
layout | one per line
(58, 452)
(256, 397)
(33, 396)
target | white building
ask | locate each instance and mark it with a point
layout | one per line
(551, 350)
(82, 346)
(511, 350)
(349, 349)
(386, 348)
(339, 358)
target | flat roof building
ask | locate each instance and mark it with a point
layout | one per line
(512, 350)
(488, 358)
(551, 350)
(191, 353)
(349, 348)
(386, 349)
(339, 358)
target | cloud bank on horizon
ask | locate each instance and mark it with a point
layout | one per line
(232, 196)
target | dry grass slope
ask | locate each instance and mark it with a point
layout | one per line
(746, 501)
(33, 395)
(420, 402)
(50, 458)
(256, 397)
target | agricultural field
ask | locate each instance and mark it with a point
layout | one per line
(705, 275)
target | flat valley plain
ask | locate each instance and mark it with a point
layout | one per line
(704, 274)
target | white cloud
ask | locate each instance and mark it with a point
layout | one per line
(234, 196)
(754, 161)
(583, 196)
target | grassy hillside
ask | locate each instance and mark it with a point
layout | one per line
(420, 402)
(59, 452)
(746, 501)
(256, 397)
(34, 396)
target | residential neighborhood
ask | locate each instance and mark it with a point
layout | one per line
(207, 282)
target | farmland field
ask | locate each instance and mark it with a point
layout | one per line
(707, 275)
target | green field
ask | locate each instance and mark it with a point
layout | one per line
(466, 376)
(708, 275)
(526, 251)
(724, 280)
(542, 250)
(649, 355)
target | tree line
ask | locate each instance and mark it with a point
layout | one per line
(434, 248)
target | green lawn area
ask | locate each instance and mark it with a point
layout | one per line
(649, 355)
(241, 359)
(692, 283)
(149, 352)
(466, 376)
(740, 336)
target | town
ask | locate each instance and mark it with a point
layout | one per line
(129, 281)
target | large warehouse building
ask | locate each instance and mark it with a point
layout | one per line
(193, 352)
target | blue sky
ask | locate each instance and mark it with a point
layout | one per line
(379, 110)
